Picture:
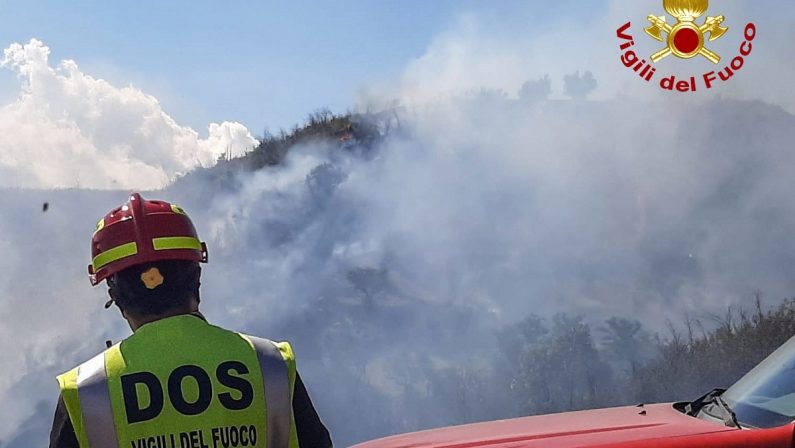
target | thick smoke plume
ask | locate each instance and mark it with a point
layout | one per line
(392, 272)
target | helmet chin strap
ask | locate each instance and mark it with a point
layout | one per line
(111, 281)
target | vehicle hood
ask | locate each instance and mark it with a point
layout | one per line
(601, 427)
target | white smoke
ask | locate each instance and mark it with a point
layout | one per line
(68, 129)
(557, 41)
(488, 209)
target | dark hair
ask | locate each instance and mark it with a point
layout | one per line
(176, 282)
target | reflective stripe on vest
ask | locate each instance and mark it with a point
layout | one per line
(95, 403)
(92, 391)
(276, 379)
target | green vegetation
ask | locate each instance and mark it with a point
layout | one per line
(565, 366)
(346, 132)
(690, 364)
(561, 364)
(321, 126)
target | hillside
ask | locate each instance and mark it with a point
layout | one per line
(502, 262)
(607, 360)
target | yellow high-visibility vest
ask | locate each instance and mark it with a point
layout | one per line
(180, 382)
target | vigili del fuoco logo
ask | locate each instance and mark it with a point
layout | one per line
(686, 37)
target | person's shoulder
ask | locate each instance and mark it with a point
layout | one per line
(284, 347)
(68, 379)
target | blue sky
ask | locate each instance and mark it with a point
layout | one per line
(265, 64)
(261, 63)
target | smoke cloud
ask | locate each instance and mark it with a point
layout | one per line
(391, 273)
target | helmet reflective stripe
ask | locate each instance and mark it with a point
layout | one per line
(129, 249)
(92, 391)
(177, 242)
(276, 379)
(114, 254)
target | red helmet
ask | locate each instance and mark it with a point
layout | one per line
(139, 232)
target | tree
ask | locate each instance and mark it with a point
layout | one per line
(626, 343)
(579, 87)
(559, 369)
(535, 91)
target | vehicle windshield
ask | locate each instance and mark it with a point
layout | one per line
(765, 396)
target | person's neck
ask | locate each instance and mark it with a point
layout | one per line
(137, 322)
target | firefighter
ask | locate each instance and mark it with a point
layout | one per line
(177, 381)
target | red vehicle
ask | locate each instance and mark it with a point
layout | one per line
(758, 411)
